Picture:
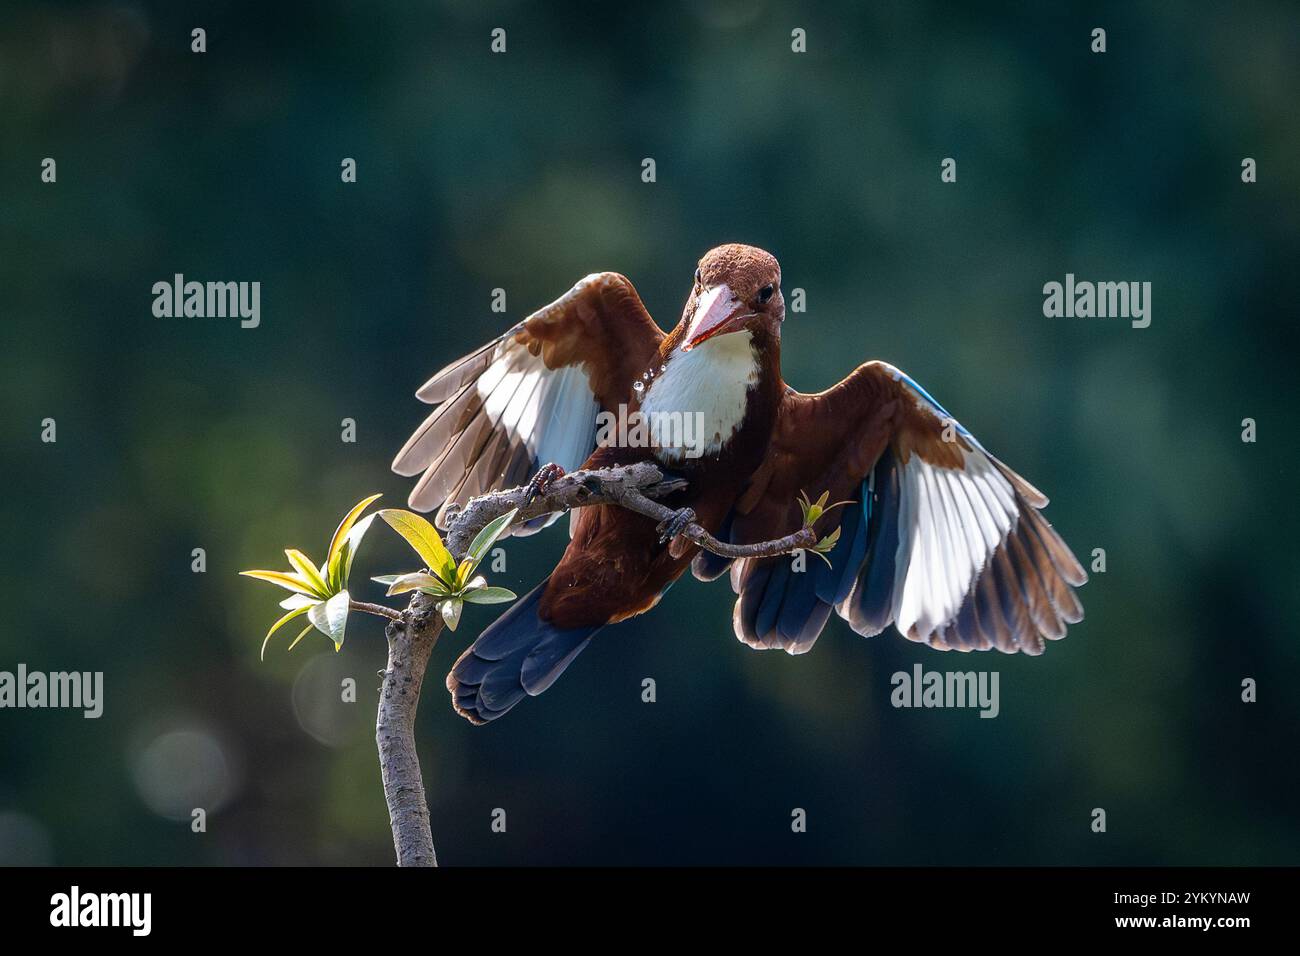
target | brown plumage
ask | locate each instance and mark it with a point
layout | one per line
(938, 537)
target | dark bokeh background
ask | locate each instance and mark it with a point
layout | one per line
(523, 171)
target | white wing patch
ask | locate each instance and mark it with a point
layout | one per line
(557, 435)
(950, 524)
(502, 415)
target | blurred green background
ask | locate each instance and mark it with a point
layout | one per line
(522, 171)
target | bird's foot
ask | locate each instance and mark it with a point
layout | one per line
(541, 482)
(675, 525)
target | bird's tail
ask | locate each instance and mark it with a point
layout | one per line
(518, 655)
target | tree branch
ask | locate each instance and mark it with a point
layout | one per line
(414, 632)
(411, 640)
(578, 489)
(631, 486)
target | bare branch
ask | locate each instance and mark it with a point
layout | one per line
(634, 500)
(579, 489)
(631, 486)
(379, 610)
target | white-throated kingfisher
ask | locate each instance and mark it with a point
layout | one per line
(939, 538)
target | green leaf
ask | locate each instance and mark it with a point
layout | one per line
(483, 541)
(822, 556)
(340, 568)
(294, 582)
(463, 572)
(411, 582)
(810, 511)
(813, 510)
(451, 609)
(301, 634)
(307, 571)
(489, 595)
(279, 624)
(331, 617)
(827, 543)
(345, 526)
(423, 537)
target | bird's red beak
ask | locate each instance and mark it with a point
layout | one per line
(716, 311)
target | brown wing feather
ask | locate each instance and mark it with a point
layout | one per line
(532, 390)
(981, 567)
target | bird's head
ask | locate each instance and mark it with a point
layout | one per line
(737, 288)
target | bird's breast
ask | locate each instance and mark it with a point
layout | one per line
(696, 402)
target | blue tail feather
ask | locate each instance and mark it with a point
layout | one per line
(519, 655)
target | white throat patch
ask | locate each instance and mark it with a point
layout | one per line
(712, 382)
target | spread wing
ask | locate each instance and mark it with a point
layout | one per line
(939, 538)
(529, 397)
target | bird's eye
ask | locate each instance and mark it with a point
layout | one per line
(697, 276)
(765, 293)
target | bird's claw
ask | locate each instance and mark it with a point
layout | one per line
(541, 482)
(675, 525)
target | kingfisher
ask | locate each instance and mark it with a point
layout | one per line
(936, 535)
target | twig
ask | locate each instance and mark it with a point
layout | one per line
(379, 610)
(414, 631)
(634, 500)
